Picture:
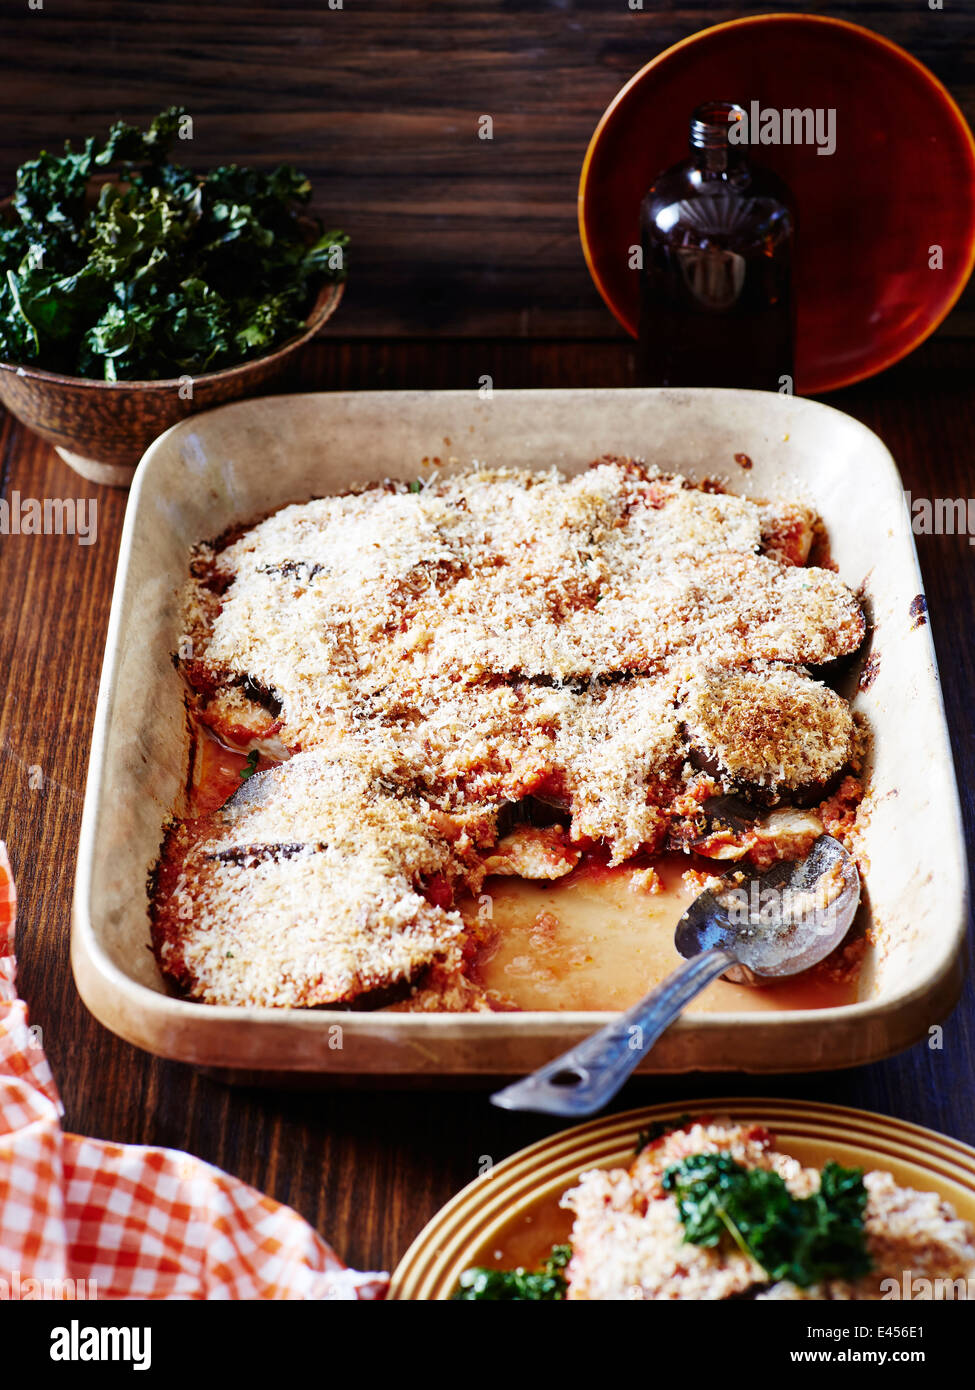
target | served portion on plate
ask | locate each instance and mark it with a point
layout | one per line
(827, 1205)
(713, 1210)
(408, 693)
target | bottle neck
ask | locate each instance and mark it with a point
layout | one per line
(711, 149)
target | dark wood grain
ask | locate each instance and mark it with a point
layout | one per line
(379, 102)
(369, 1168)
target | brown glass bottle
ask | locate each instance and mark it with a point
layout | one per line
(717, 236)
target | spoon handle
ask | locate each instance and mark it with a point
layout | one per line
(586, 1077)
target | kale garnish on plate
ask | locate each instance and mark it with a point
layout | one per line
(658, 1129)
(167, 272)
(801, 1239)
(545, 1285)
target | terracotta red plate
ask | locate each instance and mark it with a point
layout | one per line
(901, 180)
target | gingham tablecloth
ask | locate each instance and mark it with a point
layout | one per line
(82, 1218)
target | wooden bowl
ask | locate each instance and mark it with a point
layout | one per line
(900, 180)
(511, 1215)
(102, 428)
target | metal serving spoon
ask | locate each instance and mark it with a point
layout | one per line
(758, 930)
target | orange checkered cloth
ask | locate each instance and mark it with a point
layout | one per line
(79, 1217)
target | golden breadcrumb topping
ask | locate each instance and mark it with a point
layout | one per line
(282, 897)
(618, 644)
(346, 606)
(768, 726)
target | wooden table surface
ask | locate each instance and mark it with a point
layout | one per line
(379, 102)
(369, 1167)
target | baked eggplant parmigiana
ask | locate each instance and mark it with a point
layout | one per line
(495, 671)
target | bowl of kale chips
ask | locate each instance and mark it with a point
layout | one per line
(134, 292)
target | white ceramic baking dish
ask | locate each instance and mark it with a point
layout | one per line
(238, 462)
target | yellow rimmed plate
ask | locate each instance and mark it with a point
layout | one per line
(511, 1214)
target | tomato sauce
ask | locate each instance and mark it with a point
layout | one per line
(596, 940)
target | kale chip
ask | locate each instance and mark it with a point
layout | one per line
(545, 1285)
(802, 1239)
(165, 272)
